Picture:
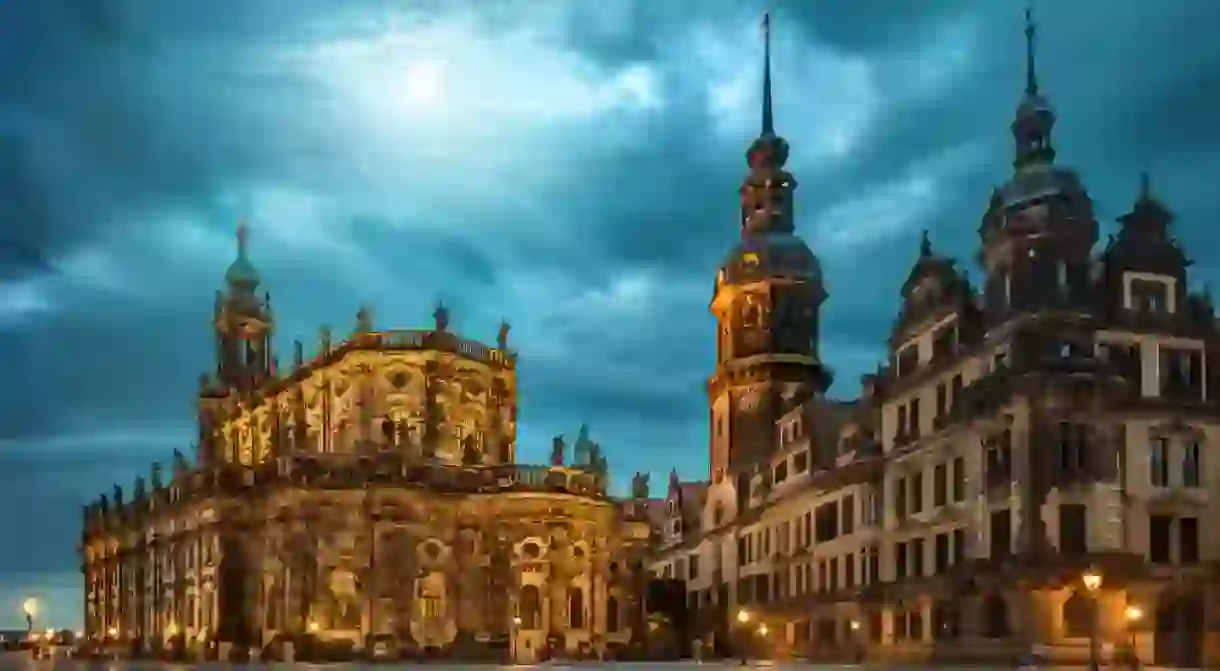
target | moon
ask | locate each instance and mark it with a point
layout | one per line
(423, 82)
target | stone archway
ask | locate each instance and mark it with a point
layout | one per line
(1178, 630)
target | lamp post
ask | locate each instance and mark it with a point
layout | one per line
(516, 629)
(743, 619)
(1134, 615)
(1092, 583)
(30, 608)
(857, 645)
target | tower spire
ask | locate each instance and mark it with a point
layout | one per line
(768, 120)
(243, 235)
(1031, 68)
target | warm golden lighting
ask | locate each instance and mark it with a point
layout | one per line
(1134, 613)
(313, 627)
(1091, 580)
(855, 625)
(743, 616)
(762, 630)
(113, 632)
(50, 633)
(30, 607)
(171, 630)
(517, 621)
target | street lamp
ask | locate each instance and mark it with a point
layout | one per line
(1134, 615)
(1092, 583)
(516, 630)
(743, 616)
(762, 630)
(857, 645)
(30, 607)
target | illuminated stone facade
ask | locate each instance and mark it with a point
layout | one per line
(1059, 423)
(369, 493)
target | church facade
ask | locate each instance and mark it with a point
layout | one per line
(1029, 472)
(367, 496)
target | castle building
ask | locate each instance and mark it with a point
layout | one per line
(369, 494)
(1029, 472)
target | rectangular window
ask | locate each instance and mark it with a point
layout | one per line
(941, 553)
(942, 399)
(1001, 534)
(847, 510)
(1158, 462)
(959, 479)
(834, 574)
(874, 564)
(900, 560)
(914, 417)
(901, 432)
(1073, 530)
(1190, 465)
(917, 554)
(959, 546)
(955, 390)
(1188, 540)
(940, 485)
(917, 493)
(900, 497)
(1159, 538)
(849, 571)
(800, 462)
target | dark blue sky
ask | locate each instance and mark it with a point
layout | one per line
(569, 165)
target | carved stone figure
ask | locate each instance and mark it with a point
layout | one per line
(557, 450)
(364, 320)
(138, 494)
(180, 465)
(118, 495)
(502, 337)
(470, 453)
(639, 486)
(441, 316)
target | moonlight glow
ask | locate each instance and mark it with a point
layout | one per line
(423, 82)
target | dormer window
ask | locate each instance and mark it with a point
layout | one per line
(1148, 294)
(781, 472)
(672, 507)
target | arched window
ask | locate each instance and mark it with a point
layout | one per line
(612, 615)
(995, 616)
(576, 608)
(1077, 616)
(531, 607)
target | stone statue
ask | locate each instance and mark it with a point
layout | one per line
(154, 475)
(298, 354)
(557, 450)
(502, 338)
(639, 486)
(138, 494)
(364, 320)
(470, 453)
(118, 495)
(104, 505)
(180, 465)
(441, 316)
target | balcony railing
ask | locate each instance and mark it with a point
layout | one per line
(356, 472)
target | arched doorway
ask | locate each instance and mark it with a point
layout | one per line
(1178, 631)
(1078, 616)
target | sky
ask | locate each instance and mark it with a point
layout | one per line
(570, 166)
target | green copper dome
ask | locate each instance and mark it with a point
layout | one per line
(241, 272)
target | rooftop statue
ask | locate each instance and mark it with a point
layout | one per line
(557, 450)
(639, 486)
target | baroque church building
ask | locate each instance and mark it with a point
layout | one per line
(1029, 472)
(365, 499)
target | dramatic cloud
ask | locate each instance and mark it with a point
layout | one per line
(570, 166)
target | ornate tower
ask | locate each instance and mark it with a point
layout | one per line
(243, 326)
(767, 296)
(1039, 228)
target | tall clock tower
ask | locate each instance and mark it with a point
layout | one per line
(767, 298)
